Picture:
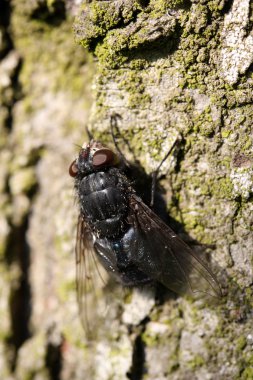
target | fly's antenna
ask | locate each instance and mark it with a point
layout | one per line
(78, 146)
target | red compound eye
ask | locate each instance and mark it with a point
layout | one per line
(103, 157)
(73, 170)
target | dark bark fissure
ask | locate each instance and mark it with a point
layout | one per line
(151, 51)
(120, 25)
(138, 360)
(18, 251)
(18, 254)
(5, 12)
(20, 303)
(144, 3)
(54, 361)
(227, 6)
(53, 358)
(6, 47)
(53, 16)
(249, 70)
(17, 94)
(158, 49)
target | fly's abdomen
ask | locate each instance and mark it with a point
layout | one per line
(103, 202)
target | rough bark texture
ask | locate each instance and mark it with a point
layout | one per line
(169, 68)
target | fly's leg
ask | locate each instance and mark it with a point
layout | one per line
(89, 134)
(114, 133)
(156, 172)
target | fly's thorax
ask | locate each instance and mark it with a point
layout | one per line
(99, 180)
(103, 201)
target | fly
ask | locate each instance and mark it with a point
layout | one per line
(126, 236)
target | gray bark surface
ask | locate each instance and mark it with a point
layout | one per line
(169, 68)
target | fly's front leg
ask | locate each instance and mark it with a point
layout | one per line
(156, 172)
(114, 133)
(89, 134)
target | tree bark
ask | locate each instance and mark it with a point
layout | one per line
(171, 69)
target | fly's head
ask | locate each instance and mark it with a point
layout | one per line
(92, 157)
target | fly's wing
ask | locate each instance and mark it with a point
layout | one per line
(91, 280)
(162, 255)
